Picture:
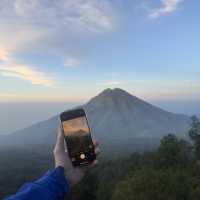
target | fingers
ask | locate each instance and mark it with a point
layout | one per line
(97, 151)
(88, 167)
(60, 141)
(96, 144)
(94, 163)
(96, 147)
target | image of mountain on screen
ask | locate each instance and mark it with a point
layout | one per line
(80, 132)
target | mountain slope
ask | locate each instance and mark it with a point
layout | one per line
(117, 113)
(114, 115)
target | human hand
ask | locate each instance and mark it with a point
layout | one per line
(72, 174)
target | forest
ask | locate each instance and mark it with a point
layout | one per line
(171, 172)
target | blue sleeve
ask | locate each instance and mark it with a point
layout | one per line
(52, 186)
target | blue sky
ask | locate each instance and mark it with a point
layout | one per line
(69, 50)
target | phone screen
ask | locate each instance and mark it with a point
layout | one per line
(78, 139)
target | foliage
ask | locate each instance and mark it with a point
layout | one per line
(171, 172)
(154, 184)
(194, 134)
(173, 152)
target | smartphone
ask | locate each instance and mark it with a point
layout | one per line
(78, 138)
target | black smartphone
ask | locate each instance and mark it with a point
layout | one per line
(78, 138)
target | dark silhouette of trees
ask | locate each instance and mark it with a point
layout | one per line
(152, 184)
(194, 134)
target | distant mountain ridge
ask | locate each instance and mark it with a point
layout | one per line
(80, 132)
(114, 115)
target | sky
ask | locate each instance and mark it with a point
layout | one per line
(70, 50)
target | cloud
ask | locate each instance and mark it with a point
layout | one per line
(57, 28)
(7, 95)
(16, 38)
(71, 62)
(84, 10)
(90, 15)
(3, 55)
(110, 83)
(43, 27)
(25, 73)
(167, 7)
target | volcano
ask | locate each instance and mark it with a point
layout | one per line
(115, 116)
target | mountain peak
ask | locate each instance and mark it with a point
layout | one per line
(116, 92)
(115, 112)
(113, 97)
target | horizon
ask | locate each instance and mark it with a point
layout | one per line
(41, 111)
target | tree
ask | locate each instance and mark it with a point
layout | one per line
(172, 152)
(194, 134)
(152, 184)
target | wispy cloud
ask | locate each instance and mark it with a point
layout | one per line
(52, 26)
(110, 83)
(168, 6)
(3, 55)
(25, 73)
(91, 15)
(71, 61)
(7, 95)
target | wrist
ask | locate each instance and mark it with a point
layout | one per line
(68, 177)
(66, 174)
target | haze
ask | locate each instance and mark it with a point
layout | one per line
(15, 116)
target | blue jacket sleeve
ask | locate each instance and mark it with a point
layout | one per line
(52, 186)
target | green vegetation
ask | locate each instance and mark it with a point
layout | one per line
(171, 172)
(194, 134)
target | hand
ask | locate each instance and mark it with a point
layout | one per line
(73, 174)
